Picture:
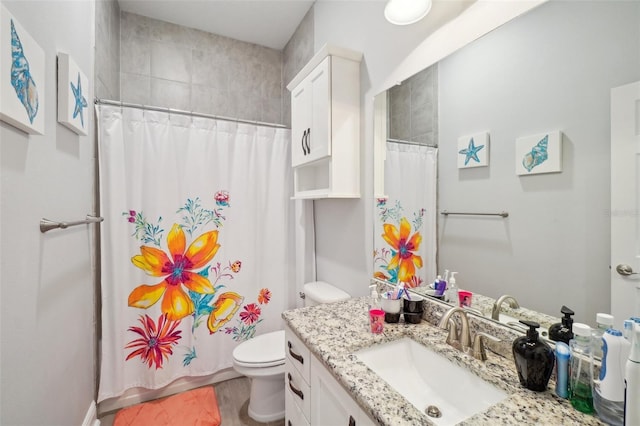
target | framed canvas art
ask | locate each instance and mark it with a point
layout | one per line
(539, 154)
(73, 90)
(473, 150)
(22, 63)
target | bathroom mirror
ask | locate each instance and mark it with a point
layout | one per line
(547, 73)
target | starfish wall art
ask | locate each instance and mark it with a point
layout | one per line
(473, 150)
(73, 92)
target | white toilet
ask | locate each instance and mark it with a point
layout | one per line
(262, 359)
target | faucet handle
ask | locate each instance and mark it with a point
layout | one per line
(452, 337)
(479, 351)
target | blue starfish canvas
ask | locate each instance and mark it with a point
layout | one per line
(22, 82)
(473, 150)
(73, 93)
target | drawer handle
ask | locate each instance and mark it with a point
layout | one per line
(352, 421)
(289, 423)
(295, 355)
(294, 390)
(302, 141)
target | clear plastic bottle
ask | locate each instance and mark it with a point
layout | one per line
(603, 323)
(608, 392)
(581, 369)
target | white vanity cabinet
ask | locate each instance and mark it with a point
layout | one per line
(312, 396)
(325, 125)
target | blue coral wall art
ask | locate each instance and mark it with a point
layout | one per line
(22, 67)
(73, 92)
(539, 153)
(473, 150)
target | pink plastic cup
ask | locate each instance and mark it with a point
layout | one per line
(376, 319)
(465, 298)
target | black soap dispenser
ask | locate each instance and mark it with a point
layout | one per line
(563, 331)
(534, 359)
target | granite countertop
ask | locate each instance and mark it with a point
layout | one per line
(333, 332)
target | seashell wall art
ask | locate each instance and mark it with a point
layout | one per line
(539, 154)
(22, 63)
(473, 150)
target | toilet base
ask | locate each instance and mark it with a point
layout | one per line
(266, 402)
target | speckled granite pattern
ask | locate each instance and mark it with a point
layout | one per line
(333, 332)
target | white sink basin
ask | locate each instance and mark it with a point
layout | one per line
(426, 378)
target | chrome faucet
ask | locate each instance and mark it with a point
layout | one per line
(513, 303)
(462, 342)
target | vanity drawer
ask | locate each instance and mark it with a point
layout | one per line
(297, 389)
(297, 353)
(293, 415)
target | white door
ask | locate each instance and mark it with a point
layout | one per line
(625, 202)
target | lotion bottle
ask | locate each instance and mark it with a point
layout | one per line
(632, 381)
(534, 359)
(451, 294)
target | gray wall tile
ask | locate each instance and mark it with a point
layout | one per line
(107, 50)
(135, 88)
(198, 71)
(170, 94)
(171, 61)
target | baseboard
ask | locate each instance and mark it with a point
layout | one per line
(138, 395)
(91, 418)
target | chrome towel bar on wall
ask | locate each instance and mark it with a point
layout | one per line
(48, 225)
(502, 214)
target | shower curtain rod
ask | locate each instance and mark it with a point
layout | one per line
(99, 101)
(402, 141)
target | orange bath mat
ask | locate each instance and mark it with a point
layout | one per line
(197, 407)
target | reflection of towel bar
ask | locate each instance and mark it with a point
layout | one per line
(48, 225)
(503, 214)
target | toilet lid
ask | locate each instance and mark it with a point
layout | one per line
(265, 350)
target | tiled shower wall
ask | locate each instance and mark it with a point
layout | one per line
(412, 108)
(167, 65)
(297, 52)
(107, 58)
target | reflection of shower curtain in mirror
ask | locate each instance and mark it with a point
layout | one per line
(406, 233)
(195, 243)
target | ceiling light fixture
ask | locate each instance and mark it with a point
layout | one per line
(405, 12)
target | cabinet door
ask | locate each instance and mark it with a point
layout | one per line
(301, 104)
(319, 137)
(331, 404)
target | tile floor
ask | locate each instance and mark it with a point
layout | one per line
(233, 399)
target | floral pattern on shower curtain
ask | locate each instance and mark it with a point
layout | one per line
(195, 251)
(405, 230)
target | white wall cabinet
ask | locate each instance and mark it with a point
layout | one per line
(325, 125)
(313, 397)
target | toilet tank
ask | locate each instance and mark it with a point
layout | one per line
(318, 292)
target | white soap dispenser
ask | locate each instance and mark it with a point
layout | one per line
(451, 295)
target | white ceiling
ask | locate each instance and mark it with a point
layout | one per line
(269, 23)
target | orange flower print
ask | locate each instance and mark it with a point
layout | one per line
(223, 310)
(155, 342)
(178, 268)
(250, 314)
(264, 297)
(404, 259)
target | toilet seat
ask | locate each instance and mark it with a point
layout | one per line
(266, 350)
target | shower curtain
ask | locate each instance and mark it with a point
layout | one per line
(195, 244)
(405, 227)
